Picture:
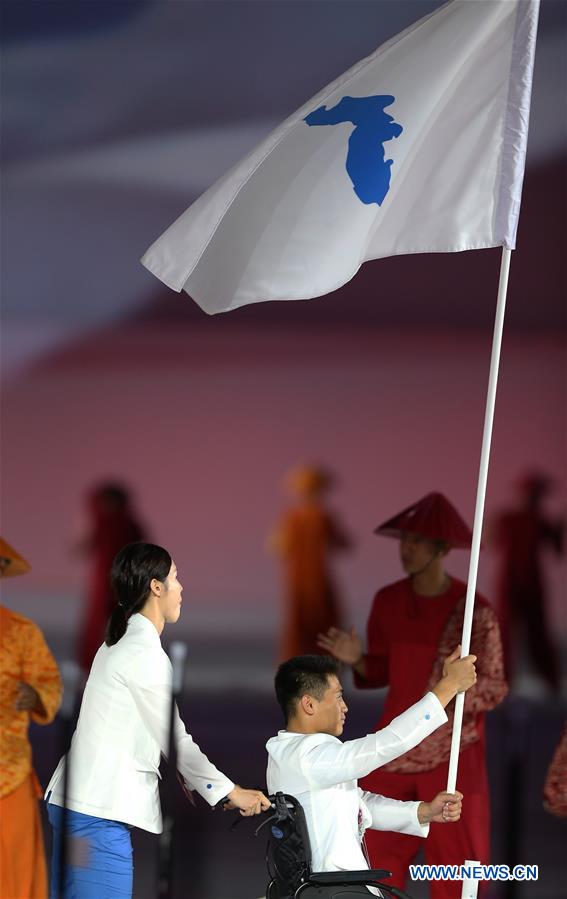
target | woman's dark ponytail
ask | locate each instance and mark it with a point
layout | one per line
(116, 626)
(133, 570)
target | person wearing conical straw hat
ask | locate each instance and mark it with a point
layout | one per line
(307, 535)
(413, 625)
(30, 689)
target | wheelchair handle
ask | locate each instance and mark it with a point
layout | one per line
(369, 875)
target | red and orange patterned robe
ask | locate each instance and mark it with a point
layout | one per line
(24, 657)
(555, 789)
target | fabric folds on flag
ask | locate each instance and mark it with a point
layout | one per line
(419, 148)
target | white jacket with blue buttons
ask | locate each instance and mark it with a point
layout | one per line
(122, 731)
(322, 772)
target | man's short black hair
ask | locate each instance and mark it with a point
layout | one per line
(301, 675)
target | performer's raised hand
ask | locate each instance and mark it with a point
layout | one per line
(250, 802)
(445, 808)
(27, 699)
(346, 646)
(458, 675)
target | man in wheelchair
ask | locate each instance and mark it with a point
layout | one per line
(307, 761)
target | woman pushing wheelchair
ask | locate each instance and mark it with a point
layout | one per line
(122, 731)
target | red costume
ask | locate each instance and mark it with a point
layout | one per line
(409, 637)
(521, 535)
(113, 526)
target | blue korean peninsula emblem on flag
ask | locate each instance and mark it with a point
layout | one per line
(366, 165)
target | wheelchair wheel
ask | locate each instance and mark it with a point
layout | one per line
(272, 890)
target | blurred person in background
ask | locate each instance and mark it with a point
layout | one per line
(30, 689)
(112, 524)
(522, 534)
(306, 537)
(122, 732)
(413, 626)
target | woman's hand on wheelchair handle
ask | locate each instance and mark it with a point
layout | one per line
(249, 802)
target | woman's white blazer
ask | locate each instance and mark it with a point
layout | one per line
(122, 731)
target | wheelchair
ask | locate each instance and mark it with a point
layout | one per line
(288, 858)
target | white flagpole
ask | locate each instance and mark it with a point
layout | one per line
(479, 510)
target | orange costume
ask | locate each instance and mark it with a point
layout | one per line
(24, 659)
(306, 537)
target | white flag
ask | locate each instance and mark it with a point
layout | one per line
(419, 148)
